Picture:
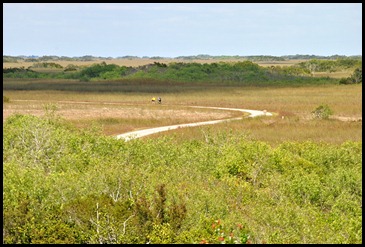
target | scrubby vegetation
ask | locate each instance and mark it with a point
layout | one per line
(356, 77)
(322, 112)
(67, 185)
(62, 185)
(46, 65)
(315, 65)
(222, 73)
(6, 99)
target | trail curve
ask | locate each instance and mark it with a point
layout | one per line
(140, 133)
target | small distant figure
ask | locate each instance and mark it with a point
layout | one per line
(153, 100)
(159, 100)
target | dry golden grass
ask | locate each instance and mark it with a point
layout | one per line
(116, 116)
(142, 61)
(275, 130)
(116, 113)
(345, 100)
(293, 120)
(280, 63)
(337, 74)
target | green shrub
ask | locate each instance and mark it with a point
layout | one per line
(322, 112)
(5, 99)
(356, 77)
(62, 185)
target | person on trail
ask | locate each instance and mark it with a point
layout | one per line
(159, 100)
(153, 99)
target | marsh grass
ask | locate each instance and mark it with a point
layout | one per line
(336, 74)
(109, 86)
(118, 112)
(276, 131)
(341, 98)
(141, 62)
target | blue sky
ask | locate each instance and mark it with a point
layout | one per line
(182, 29)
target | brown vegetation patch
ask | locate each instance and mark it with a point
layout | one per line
(76, 111)
(145, 61)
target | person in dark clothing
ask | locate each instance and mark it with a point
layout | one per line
(159, 100)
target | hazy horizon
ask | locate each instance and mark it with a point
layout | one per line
(141, 57)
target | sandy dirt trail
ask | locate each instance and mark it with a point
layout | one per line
(140, 133)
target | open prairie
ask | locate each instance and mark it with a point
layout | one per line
(143, 61)
(116, 113)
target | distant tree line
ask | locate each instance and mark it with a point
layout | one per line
(316, 65)
(241, 73)
(12, 59)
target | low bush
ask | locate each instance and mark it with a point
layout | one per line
(6, 99)
(63, 185)
(322, 112)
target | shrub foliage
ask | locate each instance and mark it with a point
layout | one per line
(223, 73)
(62, 185)
(322, 112)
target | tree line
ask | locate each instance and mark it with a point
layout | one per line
(12, 59)
(237, 73)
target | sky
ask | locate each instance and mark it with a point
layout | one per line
(181, 29)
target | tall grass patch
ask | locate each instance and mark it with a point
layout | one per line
(292, 106)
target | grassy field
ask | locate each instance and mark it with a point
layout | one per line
(142, 61)
(116, 113)
(286, 178)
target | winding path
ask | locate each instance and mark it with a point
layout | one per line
(140, 133)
